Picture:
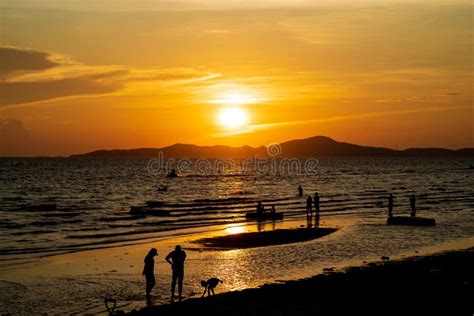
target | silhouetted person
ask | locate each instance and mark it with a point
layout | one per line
(172, 174)
(260, 208)
(210, 285)
(176, 259)
(309, 204)
(273, 211)
(390, 205)
(309, 220)
(413, 205)
(316, 202)
(316, 220)
(148, 271)
(300, 191)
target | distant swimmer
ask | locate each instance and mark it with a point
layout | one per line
(210, 285)
(390, 205)
(309, 204)
(300, 191)
(163, 188)
(316, 202)
(172, 174)
(148, 271)
(176, 259)
(413, 205)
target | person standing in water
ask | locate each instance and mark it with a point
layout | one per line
(390, 205)
(300, 191)
(176, 259)
(148, 271)
(316, 202)
(413, 205)
(309, 204)
(260, 209)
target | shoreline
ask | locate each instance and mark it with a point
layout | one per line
(438, 283)
(116, 271)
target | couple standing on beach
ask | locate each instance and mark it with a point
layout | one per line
(412, 205)
(309, 203)
(176, 260)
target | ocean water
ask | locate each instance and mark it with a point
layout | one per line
(55, 206)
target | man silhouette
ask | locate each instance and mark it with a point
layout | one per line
(309, 203)
(176, 259)
(148, 271)
(413, 205)
(390, 205)
(316, 202)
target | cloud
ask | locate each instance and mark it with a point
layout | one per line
(26, 92)
(33, 76)
(14, 138)
(16, 59)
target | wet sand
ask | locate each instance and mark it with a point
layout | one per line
(265, 238)
(440, 284)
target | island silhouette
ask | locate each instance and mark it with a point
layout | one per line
(317, 146)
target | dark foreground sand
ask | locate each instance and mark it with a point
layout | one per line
(435, 285)
(265, 238)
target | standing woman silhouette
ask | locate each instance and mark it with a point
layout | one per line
(148, 271)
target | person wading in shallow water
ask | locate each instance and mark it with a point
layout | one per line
(176, 259)
(300, 191)
(390, 205)
(316, 202)
(309, 205)
(413, 205)
(148, 271)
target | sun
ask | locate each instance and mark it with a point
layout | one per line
(232, 117)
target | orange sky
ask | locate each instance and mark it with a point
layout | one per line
(77, 76)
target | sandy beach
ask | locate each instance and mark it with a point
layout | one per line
(78, 282)
(439, 284)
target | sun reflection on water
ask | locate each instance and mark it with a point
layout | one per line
(235, 230)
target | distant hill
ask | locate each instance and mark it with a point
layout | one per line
(317, 146)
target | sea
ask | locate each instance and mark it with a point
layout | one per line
(52, 207)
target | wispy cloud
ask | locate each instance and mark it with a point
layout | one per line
(265, 126)
(34, 76)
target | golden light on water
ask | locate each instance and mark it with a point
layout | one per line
(235, 230)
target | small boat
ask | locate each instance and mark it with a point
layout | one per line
(264, 216)
(411, 221)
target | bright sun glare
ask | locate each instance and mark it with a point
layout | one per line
(232, 117)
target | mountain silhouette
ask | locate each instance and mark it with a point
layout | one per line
(317, 146)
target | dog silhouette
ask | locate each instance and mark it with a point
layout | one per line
(210, 285)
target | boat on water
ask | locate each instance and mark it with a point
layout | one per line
(264, 216)
(411, 221)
